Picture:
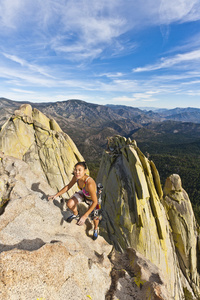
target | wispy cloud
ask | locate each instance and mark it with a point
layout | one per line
(179, 10)
(111, 75)
(23, 63)
(138, 97)
(123, 99)
(22, 91)
(166, 62)
(88, 48)
(83, 29)
(23, 78)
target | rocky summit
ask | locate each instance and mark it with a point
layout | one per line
(148, 248)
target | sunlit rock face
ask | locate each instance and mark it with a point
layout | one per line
(184, 230)
(41, 255)
(30, 136)
(134, 214)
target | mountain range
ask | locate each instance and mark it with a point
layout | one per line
(170, 137)
(90, 124)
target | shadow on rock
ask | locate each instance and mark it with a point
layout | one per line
(28, 245)
(35, 188)
(88, 228)
(82, 208)
(65, 213)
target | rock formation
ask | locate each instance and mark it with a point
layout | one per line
(41, 255)
(184, 230)
(135, 277)
(153, 231)
(137, 215)
(30, 136)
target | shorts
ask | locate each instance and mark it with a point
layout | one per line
(96, 213)
(80, 197)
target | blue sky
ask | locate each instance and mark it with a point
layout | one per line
(129, 52)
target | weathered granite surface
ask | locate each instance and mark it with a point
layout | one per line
(185, 230)
(137, 215)
(41, 255)
(30, 136)
(44, 257)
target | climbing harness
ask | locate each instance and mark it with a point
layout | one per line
(97, 212)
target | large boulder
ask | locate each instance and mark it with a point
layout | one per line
(135, 277)
(134, 215)
(30, 136)
(41, 255)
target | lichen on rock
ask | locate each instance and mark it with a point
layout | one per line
(31, 136)
(134, 215)
(184, 229)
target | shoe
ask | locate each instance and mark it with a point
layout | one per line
(95, 234)
(72, 217)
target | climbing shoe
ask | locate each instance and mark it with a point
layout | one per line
(72, 217)
(95, 234)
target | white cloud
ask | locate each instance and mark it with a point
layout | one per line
(166, 62)
(77, 52)
(22, 91)
(83, 29)
(118, 85)
(99, 25)
(140, 97)
(20, 78)
(15, 59)
(9, 13)
(179, 10)
(145, 96)
(23, 63)
(191, 82)
(17, 77)
(193, 93)
(106, 19)
(123, 99)
(111, 75)
(42, 41)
